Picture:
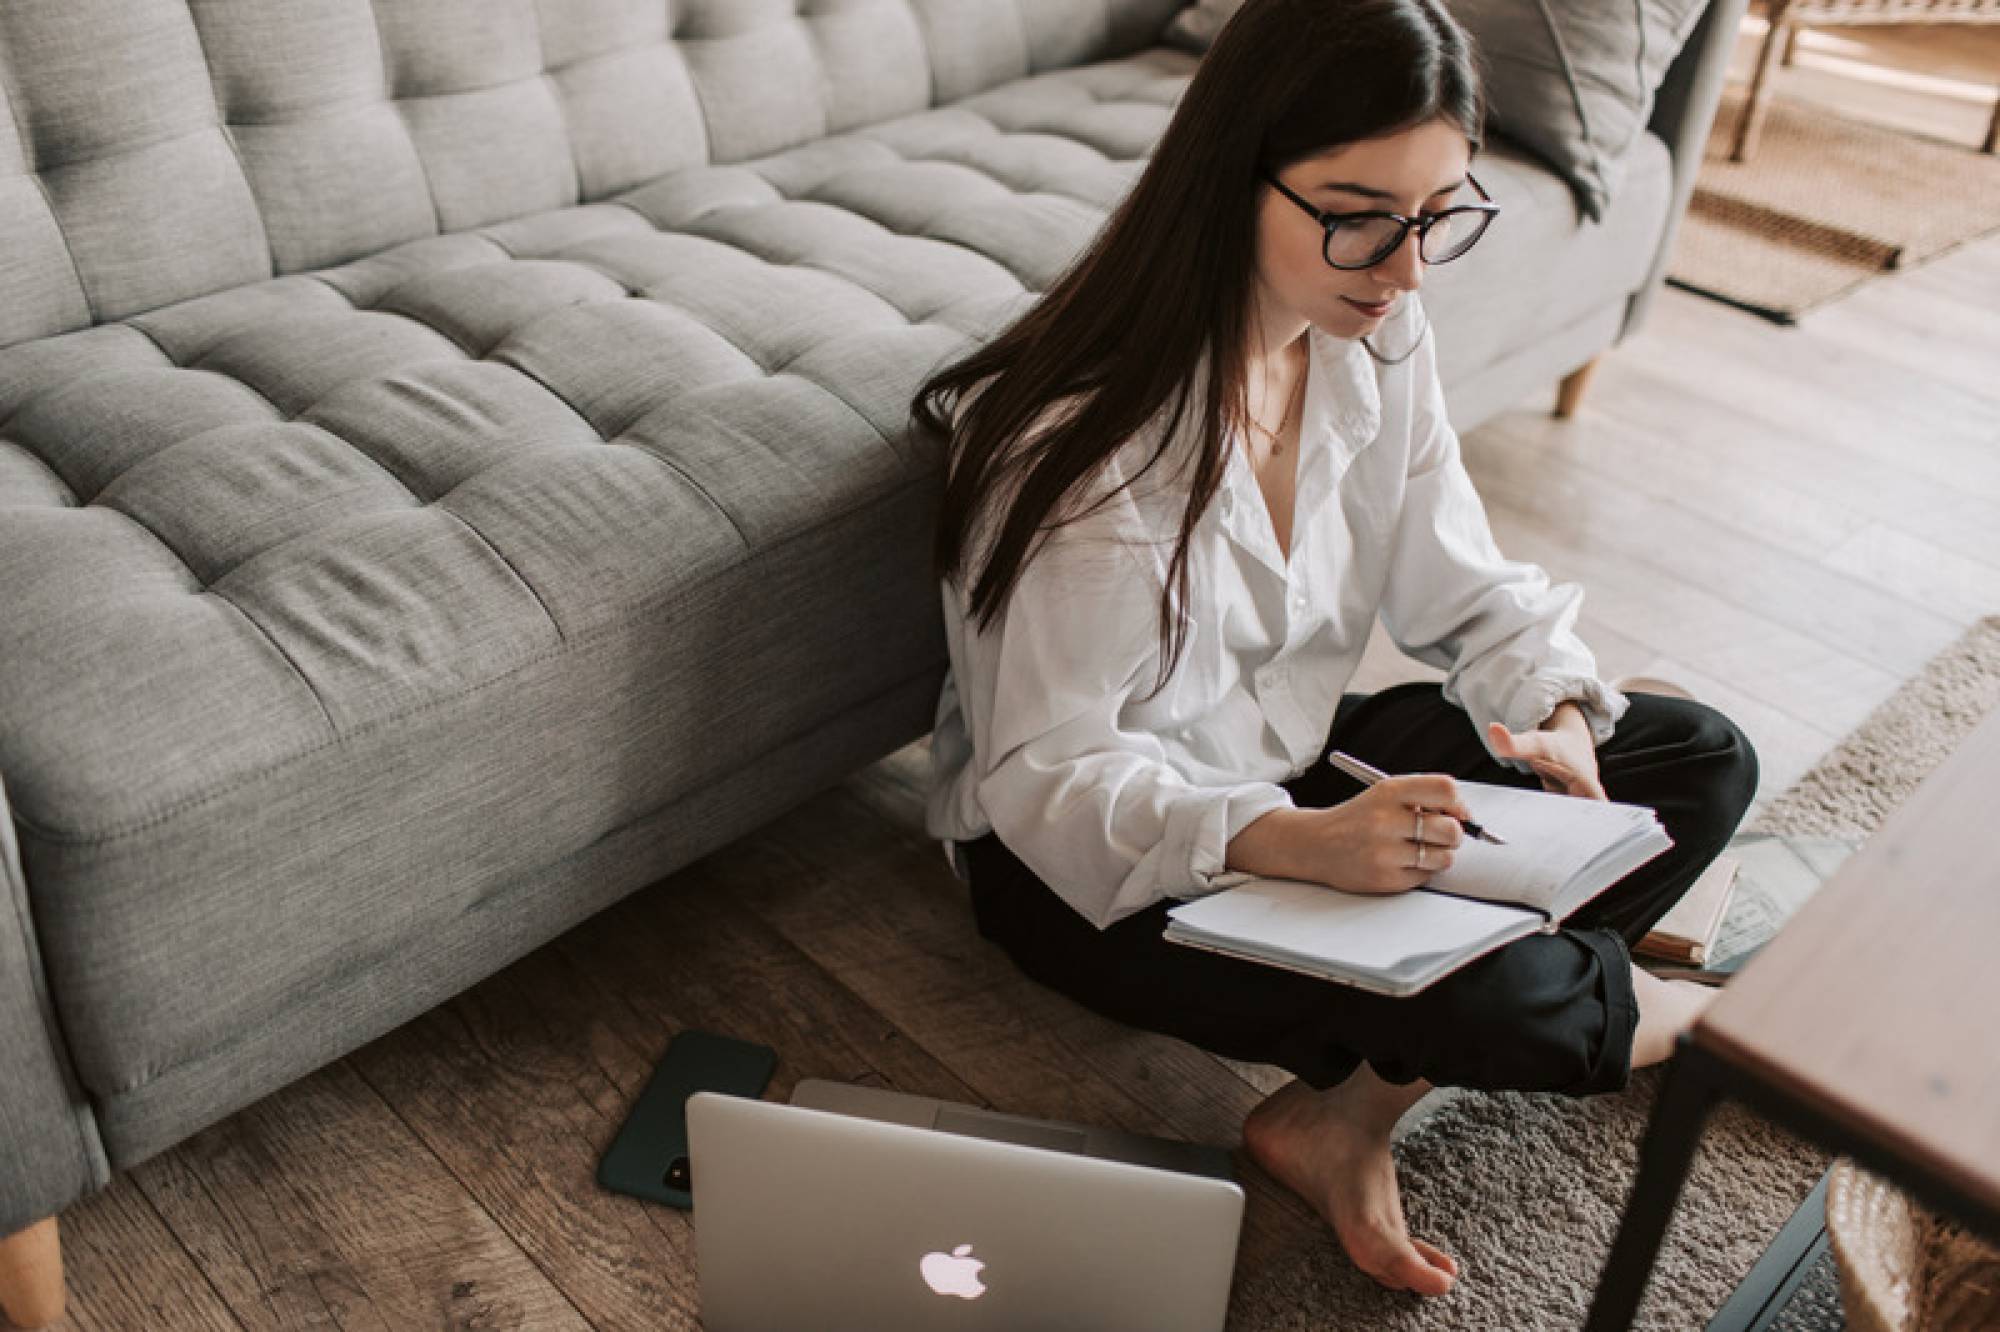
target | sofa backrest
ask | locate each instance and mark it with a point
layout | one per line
(156, 150)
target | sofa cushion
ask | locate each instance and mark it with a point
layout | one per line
(296, 134)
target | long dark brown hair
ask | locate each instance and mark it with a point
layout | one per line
(1120, 336)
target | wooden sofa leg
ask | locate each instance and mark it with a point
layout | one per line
(31, 1278)
(1992, 130)
(1570, 394)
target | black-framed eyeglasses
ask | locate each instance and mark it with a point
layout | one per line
(1365, 239)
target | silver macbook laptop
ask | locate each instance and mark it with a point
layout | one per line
(855, 1209)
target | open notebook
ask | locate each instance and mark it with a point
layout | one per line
(1561, 851)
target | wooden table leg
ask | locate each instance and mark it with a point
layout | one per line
(1758, 98)
(1687, 1094)
(31, 1279)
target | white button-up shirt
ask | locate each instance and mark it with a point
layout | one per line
(1117, 801)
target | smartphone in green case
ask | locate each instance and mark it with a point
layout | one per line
(649, 1157)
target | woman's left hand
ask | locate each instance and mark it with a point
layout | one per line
(1562, 753)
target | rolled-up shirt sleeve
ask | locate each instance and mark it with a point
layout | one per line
(1090, 805)
(1502, 632)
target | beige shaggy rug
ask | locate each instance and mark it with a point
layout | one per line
(1526, 1190)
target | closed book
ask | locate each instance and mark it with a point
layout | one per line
(1689, 931)
(1561, 851)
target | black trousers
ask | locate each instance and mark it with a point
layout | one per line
(1551, 1012)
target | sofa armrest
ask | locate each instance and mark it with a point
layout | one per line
(1683, 112)
(50, 1153)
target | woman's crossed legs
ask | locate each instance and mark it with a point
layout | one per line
(1564, 1012)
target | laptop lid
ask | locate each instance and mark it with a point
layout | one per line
(812, 1221)
(896, 1107)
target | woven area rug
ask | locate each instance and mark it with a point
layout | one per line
(1824, 204)
(1526, 1190)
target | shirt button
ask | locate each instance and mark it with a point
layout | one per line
(1298, 601)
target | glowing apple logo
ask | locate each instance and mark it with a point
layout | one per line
(954, 1273)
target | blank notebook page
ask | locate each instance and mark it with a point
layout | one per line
(1549, 839)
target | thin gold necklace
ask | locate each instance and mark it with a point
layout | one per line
(1277, 444)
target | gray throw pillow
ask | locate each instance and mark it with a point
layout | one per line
(1572, 81)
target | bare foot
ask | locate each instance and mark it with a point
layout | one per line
(1332, 1149)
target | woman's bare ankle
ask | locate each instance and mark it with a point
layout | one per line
(1378, 1103)
(1666, 1009)
(1365, 1102)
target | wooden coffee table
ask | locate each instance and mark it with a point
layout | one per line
(1867, 1025)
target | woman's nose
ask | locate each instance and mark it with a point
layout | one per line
(1404, 268)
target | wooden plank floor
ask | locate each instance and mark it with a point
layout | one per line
(1790, 522)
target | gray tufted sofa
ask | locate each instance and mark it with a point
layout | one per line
(455, 468)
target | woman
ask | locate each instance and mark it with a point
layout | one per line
(1180, 490)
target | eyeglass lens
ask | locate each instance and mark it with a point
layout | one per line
(1367, 240)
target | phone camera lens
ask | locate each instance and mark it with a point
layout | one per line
(678, 1174)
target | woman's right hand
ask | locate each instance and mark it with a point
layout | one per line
(1361, 845)
(1364, 845)
(1368, 844)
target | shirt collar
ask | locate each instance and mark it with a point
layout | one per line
(1349, 407)
(1342, 394)
(1340, 416)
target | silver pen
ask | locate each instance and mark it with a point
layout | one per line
(1368, 776)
